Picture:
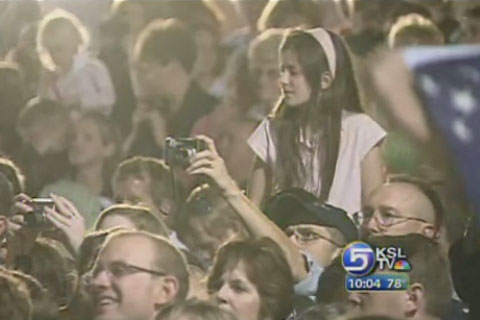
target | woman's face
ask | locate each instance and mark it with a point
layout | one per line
(295, 87)
(87, 145)
(238, 295)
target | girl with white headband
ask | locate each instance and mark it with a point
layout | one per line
(318, 137)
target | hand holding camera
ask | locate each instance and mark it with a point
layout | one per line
(48, 214)
(66, 218)
(208, 162)
(179, 152)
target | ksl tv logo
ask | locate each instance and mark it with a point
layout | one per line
(360, 259)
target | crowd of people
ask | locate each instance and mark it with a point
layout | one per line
(211, 159)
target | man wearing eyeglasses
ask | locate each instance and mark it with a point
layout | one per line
(135, 276)
(402, 206)
(318, 229)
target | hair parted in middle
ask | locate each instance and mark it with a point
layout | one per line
(322, 113)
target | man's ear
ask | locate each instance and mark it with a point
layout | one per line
(166, 290)
(415, 296)
(429, 232)
(326, 80)
(337, 252)
(3, 225)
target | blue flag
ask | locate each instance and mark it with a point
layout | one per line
(448, 81)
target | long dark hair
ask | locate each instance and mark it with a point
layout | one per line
(322, 113)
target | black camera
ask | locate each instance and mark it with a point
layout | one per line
(37, 219)
(178, 152)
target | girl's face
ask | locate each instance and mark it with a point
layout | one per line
(62, 45)
(295, 87)
(238, 295)
(87, 145)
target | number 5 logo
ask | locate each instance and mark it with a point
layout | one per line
(358, 259)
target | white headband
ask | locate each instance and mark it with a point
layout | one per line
(325, 40)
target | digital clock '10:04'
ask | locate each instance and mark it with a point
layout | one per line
(377, 282)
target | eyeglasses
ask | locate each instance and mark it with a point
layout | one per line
(305, 235)
(388, 219)
(118, 270)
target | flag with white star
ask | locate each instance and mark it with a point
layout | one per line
(449, 85)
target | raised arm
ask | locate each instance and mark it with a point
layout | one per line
(210, 164)
(257, 185)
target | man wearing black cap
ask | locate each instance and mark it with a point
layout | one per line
(319, 229)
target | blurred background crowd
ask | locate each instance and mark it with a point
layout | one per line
(305, 131)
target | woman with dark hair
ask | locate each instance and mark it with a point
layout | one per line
(252, 279)
(317, 137)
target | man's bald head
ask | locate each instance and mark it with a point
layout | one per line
(404, 205)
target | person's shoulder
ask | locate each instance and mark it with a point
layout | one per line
(357, 120)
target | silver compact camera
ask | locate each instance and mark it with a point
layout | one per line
(178, 152)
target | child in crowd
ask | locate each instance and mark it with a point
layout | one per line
(317, 138)
(72, 76)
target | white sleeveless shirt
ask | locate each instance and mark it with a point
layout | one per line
(359, 134)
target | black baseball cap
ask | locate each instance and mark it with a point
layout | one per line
(296, 206)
